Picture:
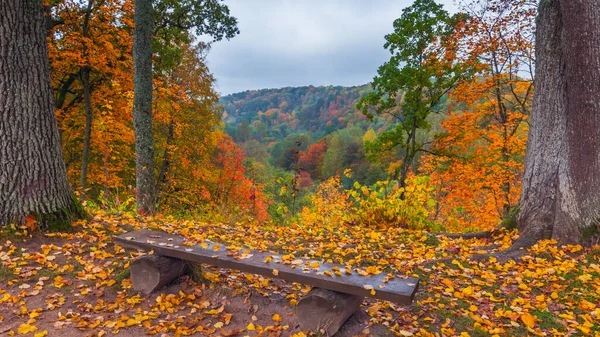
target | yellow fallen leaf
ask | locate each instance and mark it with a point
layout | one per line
(41, 333)
(275, 272)
(584, 278)
(26, 328)
(218, 325)
(468, 291)
(250, 327)
(276, 318)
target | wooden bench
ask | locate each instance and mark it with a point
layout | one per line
(336, 295)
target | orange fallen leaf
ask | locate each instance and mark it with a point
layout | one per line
(528, 319)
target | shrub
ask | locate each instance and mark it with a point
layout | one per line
(382, 205)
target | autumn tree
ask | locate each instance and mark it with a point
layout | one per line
(33, 176)
(561, 183)
(231, 192)
(311, 160)
(90, 57)
(184, 99)
(482, 141)
(501, 41)
(421, 71)
(174, 20)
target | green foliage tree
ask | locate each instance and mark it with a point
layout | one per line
(345, 151)
(174, 20)
(285, 153)
(411, 85)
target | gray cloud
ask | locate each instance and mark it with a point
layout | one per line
(310, 42)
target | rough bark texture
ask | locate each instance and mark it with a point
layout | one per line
(561, 184)
(142, 106)
(166, 164)
(33, 178)
(326, 310)
(152, 272)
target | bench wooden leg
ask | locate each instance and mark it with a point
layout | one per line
(151, 272)
(326, 310)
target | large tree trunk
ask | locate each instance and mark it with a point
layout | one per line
(142, 106)
(33, 178)
(561, 184)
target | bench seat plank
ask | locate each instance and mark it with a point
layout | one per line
(399, 290)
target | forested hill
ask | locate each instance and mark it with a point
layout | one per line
(269, 115)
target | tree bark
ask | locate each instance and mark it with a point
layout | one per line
(142, 106)
(33, 178)
(561, 183)
(152, 272)
(166, 164)
(326, 310)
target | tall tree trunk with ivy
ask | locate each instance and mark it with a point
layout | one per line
(142, 106)
(561, 184)
(33, 178)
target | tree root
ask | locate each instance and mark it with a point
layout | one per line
(477, 235)
(513, 253)
(501, 256)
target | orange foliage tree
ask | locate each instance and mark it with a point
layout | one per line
(231, 191)
(311, 160)
(477, 162)
(95, 37)
(198, 168)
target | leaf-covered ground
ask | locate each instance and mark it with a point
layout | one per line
(60, 284)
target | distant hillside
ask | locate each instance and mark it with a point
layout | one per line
(269, 115)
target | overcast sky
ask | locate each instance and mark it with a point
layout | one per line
(309, 42)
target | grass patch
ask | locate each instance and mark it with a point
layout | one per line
(7, 234)
(6, 274)
(195, 272)
(49, 273)
(432, 241)
(547, 320)
(120, 277)
(76, 269)
(124, 274)
(68, 289)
